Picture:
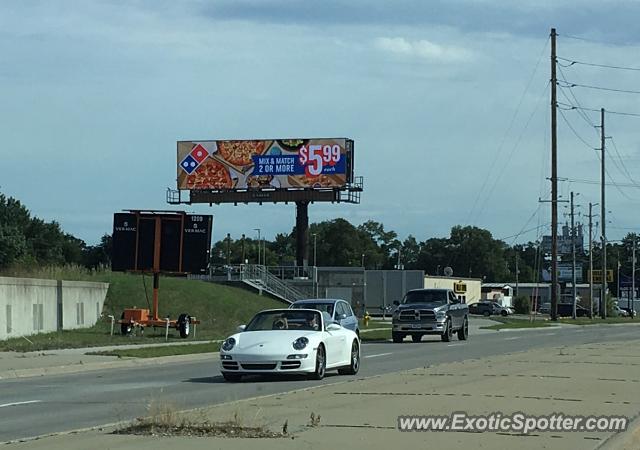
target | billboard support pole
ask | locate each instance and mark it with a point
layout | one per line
(156, 265)
(302, 229)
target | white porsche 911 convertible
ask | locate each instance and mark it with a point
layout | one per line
(298, 341)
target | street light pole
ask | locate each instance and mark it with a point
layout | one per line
(228, 249)
(591, 216)
(362, 263)
(243, 256)
(259, 243)
(315, 235)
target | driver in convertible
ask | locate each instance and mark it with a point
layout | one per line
(311, 322)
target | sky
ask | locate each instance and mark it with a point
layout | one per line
(448, 102)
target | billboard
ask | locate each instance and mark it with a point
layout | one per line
(565, 272)
(269, 164)
(183, 242)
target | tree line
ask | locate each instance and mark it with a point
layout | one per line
(27, 241)
(470, 251)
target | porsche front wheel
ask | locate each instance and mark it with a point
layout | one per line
(321, 364)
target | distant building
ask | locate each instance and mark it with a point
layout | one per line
(468, 290)
(539, 293)
(564, 241)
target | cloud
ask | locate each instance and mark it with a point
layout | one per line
(422, 49)
(588, 18)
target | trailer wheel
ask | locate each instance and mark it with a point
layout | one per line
(125, 328)
(184, 325)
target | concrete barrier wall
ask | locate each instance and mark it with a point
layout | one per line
(30, 306)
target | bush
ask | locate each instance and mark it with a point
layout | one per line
(522, 304)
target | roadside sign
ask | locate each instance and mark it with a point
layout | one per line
(596, 276)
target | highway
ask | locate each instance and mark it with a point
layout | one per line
(56, 403)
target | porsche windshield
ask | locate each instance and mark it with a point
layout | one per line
(438, 297)
(288, 319)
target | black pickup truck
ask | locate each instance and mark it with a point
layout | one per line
(430, 311)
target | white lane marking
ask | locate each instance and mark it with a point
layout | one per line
(512, 338)
(20, 403)
(453, 345)
(379, 354)
(549, 334)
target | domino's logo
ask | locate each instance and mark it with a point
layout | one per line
(189, 164)
(197, 155)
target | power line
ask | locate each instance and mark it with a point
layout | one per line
(591, 147)
(606, 66)
(513, 149)
(594, 41)
(525, 231)
(582, 181)
(624, 167)
(569, 106)
(473, 213)
(584, 116)
(600, 88)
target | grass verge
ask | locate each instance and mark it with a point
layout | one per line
(167, 350)
(220, 308)
(376, 335)
(597, 321)
(514, 324)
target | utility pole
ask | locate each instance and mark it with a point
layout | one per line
(633, 278)
(554, 182)
(591, 216)
(603, 220)
(243, 255)
(517, 271)
(573, 258)
(228, 249)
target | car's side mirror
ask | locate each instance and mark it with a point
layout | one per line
(333, 326)
(396, 302)
(241, 328)
(341, 316)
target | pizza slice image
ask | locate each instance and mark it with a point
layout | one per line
(239, 153)
(211, 174)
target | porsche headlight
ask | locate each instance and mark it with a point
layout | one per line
(300, 343)
(228, 344)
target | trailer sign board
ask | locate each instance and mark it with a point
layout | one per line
(182, 245)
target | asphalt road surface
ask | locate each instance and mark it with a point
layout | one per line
(43, 405)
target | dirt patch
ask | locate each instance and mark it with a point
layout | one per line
(205, 429)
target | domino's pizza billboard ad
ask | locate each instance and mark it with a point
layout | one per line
(265, 164)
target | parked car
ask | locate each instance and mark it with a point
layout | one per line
(430, 311)
(545, 308)
(488, 308)
(339, 310)
(566, 310)
(303, 341)
(631, 312)
(617, 311)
